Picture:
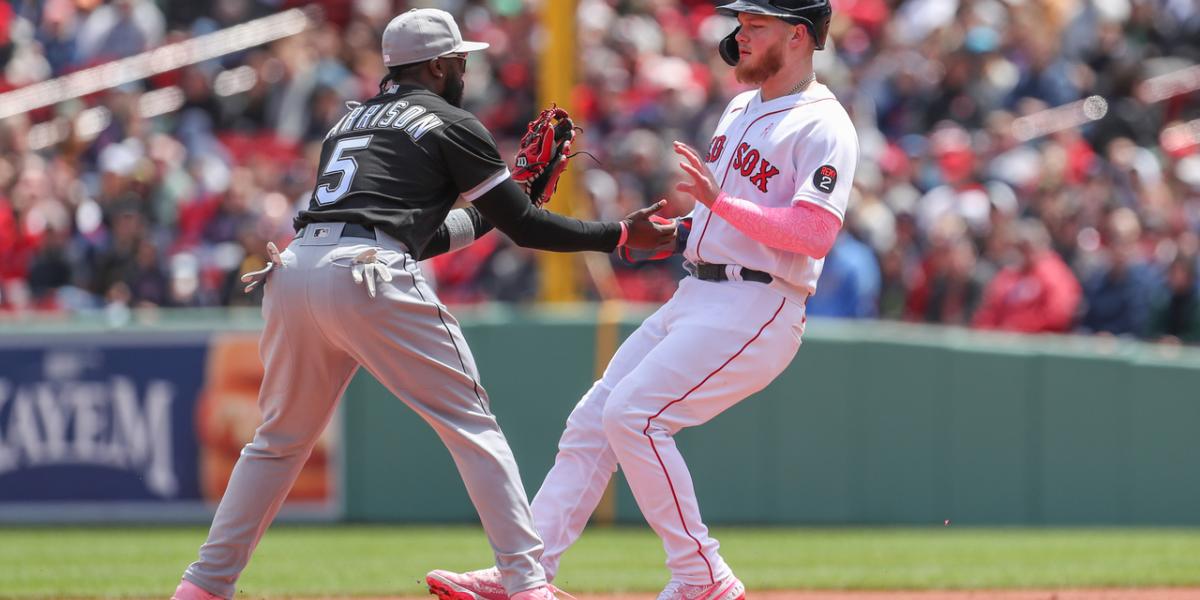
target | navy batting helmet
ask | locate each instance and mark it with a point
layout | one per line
(813, 14)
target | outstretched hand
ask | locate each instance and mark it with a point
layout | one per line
(647, 233)
(701, 184)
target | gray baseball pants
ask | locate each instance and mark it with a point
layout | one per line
(320, 326)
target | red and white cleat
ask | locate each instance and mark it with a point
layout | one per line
(729, 588)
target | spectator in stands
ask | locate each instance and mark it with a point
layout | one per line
(960, 194)
(254, 257)
(50, 269)
(850, 281)
(955, 289)
(146, 278)
(944, 289)
(1118, 290)
(1175, 315)
(116, 259)
(937, 90)
(1047, 75)
(119, 29)
(1036, 292)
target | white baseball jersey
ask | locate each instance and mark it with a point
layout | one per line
(797, 148)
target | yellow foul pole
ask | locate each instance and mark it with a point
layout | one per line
(560, 276)
(556, 78)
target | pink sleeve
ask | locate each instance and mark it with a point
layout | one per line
(804, 228)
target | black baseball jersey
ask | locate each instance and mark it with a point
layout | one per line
(399, 161)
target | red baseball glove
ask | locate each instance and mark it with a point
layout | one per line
(544, 153)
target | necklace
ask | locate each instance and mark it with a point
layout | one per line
(803, 84)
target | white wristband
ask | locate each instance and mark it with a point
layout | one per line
(462, 230)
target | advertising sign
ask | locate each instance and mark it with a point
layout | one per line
(135, 427)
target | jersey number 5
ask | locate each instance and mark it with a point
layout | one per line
(344, 166)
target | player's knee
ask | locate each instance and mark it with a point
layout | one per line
(275, 444)
(619, 419)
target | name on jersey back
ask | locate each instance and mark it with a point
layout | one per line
(413, 119)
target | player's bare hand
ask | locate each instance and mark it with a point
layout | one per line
(700, 184)
(645, 233)
(366, 267)
(254, 279)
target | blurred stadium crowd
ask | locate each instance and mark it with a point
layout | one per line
(966, 210)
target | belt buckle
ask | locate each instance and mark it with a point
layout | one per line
(705, 271)
(712, 272)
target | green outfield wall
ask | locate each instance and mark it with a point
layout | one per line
(872, 423)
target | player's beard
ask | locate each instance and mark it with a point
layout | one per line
(767, 64)
(453, 92)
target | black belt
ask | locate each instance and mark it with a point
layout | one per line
(716, 272)
(348, 230)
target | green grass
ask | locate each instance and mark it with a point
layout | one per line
(388, 560)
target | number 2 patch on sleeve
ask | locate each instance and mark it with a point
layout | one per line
(824, 178)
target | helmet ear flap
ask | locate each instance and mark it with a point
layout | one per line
(820, 31)
(728, 48)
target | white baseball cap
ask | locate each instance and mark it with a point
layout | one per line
(423, 34)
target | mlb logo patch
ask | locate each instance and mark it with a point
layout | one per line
(322, 234)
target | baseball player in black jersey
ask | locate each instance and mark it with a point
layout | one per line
(390, 172)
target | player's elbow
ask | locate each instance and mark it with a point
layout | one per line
(518, 227)
(820, 229)
(820, 242)
(821, 249)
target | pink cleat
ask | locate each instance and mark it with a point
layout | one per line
(729, 588)
(190, 591)
(483, 584)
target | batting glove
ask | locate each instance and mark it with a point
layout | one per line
(254, 279)
(366, 267)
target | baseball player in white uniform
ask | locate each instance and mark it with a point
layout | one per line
(771, 194)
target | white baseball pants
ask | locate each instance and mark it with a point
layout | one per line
(710, 346)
